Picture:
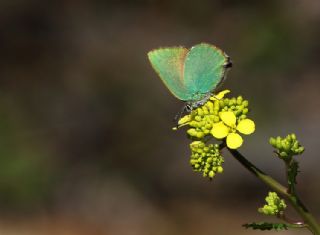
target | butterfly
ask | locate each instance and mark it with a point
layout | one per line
(192, 75)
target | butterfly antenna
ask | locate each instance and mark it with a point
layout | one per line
(187, 108)
(179, 114)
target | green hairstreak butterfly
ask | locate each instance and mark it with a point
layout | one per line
(192, 75)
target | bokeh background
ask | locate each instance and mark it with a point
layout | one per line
(86, 145)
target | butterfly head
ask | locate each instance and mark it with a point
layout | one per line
(228, 63)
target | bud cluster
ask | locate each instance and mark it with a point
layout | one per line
(286, 147)
(206, 158)
(274, 205)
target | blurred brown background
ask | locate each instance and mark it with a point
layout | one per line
(86, 145)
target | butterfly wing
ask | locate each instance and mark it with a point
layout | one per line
(204, 68)
(169, 64)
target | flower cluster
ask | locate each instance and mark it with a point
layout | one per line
(286, 147)
(221, 118)
(274, 205)
(206, 159)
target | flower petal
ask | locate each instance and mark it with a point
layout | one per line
(219, 130)
(246, 126)
(228, 118)
(234, 141)
(220, 95)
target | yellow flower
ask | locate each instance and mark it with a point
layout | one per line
(185, 120)
(228, 128)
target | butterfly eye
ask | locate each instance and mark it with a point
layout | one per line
(188, 108)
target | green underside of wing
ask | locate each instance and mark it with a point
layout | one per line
(203, 68)
(169, 64)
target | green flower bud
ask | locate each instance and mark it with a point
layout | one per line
(205, 110)
(192, 132)
(242, 117)
(274, 205)
(219, 169)
(272, 141)
(278, 143)
(200, 135)
(211, 174)
(239, 100)
(216, 119)
(221, 103)
(283, 154)
(238, 112)
(300, 150)
(286, 147)
(210, 106)
(245, 110)
(198, 118)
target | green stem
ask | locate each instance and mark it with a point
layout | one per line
(308, 218)
(297, 225)
(291, 165)
(292, 223)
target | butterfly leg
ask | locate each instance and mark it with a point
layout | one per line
(196, 104)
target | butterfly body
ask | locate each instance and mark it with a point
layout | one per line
(191, 75)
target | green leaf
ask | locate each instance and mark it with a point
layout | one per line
(266, 226)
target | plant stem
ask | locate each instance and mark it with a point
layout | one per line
(292, 223)
(294, 200)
